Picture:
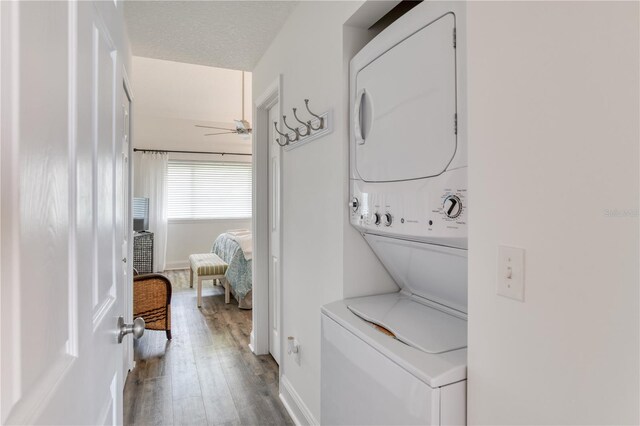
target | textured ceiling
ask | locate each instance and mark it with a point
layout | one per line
(226, 34)
(172, 97)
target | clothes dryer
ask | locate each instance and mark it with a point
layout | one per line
(400, 358)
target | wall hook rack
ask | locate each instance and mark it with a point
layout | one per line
(307, 124)
(285, 135)
(307, 131)
(294, 130)
(320, 119)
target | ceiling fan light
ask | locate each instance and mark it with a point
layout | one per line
(243, 127)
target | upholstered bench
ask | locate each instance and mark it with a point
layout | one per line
(208, 266)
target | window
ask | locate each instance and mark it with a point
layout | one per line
(209, 190)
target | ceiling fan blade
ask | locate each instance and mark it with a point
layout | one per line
(223, 133)
(211, 127)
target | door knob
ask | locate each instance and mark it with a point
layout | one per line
(137, 328)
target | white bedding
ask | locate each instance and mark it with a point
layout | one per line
(244, 240)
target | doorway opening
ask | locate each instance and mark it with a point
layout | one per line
(192, 163)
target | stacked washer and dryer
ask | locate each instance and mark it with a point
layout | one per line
(400, 358)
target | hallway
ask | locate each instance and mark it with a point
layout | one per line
(207, 373)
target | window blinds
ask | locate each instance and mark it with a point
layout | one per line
(208, 190)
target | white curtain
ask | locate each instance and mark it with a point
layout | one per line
(150, 181)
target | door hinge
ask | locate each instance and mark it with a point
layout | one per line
(454, 38)
(455, 124)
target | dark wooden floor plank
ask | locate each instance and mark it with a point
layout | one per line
(207, 373)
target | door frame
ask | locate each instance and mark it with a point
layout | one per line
(259, 338)
(128, 282)
(275, 234)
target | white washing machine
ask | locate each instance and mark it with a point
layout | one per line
(400, 358)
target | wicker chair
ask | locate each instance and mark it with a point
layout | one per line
(152, 301)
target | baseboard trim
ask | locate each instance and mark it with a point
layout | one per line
(251, 346)
(176, 265)
(294, 405)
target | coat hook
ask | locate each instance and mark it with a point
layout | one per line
(307, 124)
(321, 126)
(297, 133)
(286, 136)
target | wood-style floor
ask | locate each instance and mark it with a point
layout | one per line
(206, 374)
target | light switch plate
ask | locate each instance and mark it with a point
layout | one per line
(511, 272)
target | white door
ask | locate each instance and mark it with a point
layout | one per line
(61, 277)
(275, 268)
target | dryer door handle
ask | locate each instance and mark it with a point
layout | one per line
(357, 118)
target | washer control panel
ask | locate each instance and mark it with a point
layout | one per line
(433, 209)
(452, 206)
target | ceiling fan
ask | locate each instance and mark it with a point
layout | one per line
(242, 126)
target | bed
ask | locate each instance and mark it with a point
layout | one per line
(235, 248)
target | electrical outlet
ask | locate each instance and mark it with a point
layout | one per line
(511, 272)
(293, 348)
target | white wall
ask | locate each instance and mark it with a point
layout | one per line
(188, 237)
(553, 145)
(320, 249)
(169, 99)
(192, 92)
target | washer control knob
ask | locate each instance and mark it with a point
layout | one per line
(354, 204)
(388, 219)
(376, 218)
(452, 206)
